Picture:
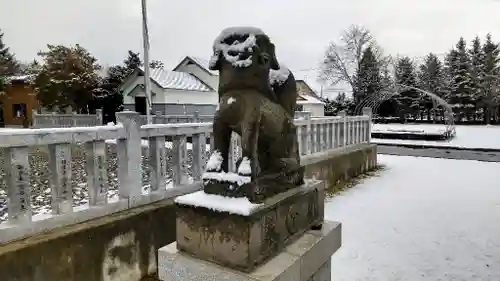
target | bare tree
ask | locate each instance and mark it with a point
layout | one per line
(342, 59)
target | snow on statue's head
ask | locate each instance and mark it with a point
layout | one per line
(243, 56)
(242, 47)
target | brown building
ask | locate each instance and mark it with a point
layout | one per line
(17, 102)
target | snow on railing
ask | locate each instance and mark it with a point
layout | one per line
(19, 145)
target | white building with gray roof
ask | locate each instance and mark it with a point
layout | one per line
(191, 86)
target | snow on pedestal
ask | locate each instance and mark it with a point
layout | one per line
(237, 206)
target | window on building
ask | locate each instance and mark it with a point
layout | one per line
(299, 107)
(19, 110)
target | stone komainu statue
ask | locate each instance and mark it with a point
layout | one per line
(257, 101)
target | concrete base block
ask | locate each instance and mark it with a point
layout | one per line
(307, 259)
(244, 242)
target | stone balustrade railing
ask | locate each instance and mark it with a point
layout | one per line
(54, 120)
(314, 135)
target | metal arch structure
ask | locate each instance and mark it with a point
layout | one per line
(374, 102)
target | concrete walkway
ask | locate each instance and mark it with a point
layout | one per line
(421, 219)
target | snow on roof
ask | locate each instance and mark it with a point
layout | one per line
(232, 52)
(203, 63)
(19, 77)
(177, 80)
(307, 99)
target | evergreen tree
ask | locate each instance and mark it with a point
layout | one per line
(339, 103)
(8, 63)
(33, 67)
(107, 95)
(367, 78)
(477, 58)
(460, 94)
(477, 74)
(386, 78)
(431, 79)
(67, 78)
(133, 61)
(156, 64)
(408, 99)
(491, 71)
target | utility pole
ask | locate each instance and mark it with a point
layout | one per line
(147, 80)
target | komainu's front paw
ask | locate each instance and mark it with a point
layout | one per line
(214, 163)
(245, 167)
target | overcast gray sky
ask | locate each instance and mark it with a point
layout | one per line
(301, 29)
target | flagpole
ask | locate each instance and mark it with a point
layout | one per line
(147, 80)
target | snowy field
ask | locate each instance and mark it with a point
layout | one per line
(409, 128)
(466, 136)
(421, 219)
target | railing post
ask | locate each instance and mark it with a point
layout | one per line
(367, 111)
(60, 178)
(99, 117)
(34, 118)
(54, 120)
(357, 126)
(17, 169)
(73, 119)
(179, 158)
(97, 176)
(329, 134)
(196, 117)
(336, 130)
(158, 163)
(211, 141)
(158, 118)
(302, 141)
(199, 144)
(343, 124)
(322, 145)
(129, 156)
(306, 136)
(154, 119)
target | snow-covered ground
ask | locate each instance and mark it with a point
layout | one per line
(421, 219)
(410, 128)
(466, 136)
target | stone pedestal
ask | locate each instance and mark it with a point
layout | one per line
(306, 259)
(240, 235)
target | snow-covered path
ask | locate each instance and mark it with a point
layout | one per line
(421, 219)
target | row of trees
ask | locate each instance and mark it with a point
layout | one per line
(70, 77)
(468, 78)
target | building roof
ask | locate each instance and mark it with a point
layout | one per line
(310, 96)
(177, 80)
(307, 99)
(20, 78)
(201, 62)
